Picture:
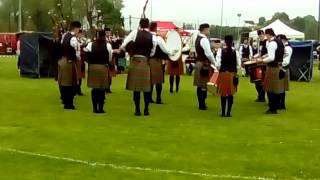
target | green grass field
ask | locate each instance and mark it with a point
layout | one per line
(177, 136)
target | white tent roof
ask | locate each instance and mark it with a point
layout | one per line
(280, 28)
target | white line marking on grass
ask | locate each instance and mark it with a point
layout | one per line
(121, 167)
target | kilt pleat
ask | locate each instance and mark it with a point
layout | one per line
(98, 76)
(287, 80)
(67, 73)
(157, 74)
(272, 82)
(139, 75)
(175, 68)
(200, 81)
(225, 84)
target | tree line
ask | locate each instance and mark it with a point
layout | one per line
(42, 15)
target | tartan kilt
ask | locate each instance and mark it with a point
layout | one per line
(198, 80)
(67, 73)
(157, 74)
(272, 82)
(175, 68)
(98, 76)
(139, 76)
(225, 84)
(287, 79)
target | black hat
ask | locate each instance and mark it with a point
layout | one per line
(204, 26)
(107, 29)
(228, 39)
(260, 32)
(270, 32)
(282, 37)
(144, 23)
(75, 24)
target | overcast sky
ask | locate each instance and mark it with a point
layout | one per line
(199, 11)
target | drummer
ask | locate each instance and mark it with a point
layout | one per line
(285, 66)
(273, 84)
(246, 54)
(157, 71)
(262, 52)
(202, 69)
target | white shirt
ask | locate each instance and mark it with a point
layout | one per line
(287, 55)
(73, 43)
(162, 44)
(109, 48)
(205, 44)
(250, 50)
(272, 47)
(219, 59)
(133, 36)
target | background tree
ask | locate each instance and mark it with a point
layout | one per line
(262, 21)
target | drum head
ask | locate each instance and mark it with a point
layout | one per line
(174, 42)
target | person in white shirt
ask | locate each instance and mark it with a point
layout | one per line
(285, 65)
(67, 68)
(246, 54)
(273, 84)
(99, 59)
(262, 51)
(142, 45)
(204, 58)
(228, 62)
(156, 66)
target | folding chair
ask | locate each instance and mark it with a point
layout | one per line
(304, 71)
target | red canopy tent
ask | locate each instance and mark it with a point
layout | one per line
(168, 25)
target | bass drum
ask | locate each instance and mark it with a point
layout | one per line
(174, 43)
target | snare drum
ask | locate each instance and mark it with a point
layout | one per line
(257, 73)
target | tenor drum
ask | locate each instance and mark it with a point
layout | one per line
(174, 43)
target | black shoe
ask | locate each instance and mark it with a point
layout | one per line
(222, 115)
(159, 102)
(271, 112)
(260, 100)
(177, 90)
(101, 112)
(69, 107)
(80, 94)
(171, 90)
(203, 108)
(229, 115)
(146, 112)
(137, 113)
(108, 91)
(152, 101)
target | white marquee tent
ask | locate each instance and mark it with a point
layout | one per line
(280, 28)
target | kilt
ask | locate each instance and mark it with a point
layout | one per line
(157, 74)
(98, 76)
(198, 80)
(175, 68)
(272, 82)
(287, 79)
(67, 73)
(225, 84)
(139, 76)
(81, 69)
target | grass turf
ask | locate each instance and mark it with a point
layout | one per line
(176, 136)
